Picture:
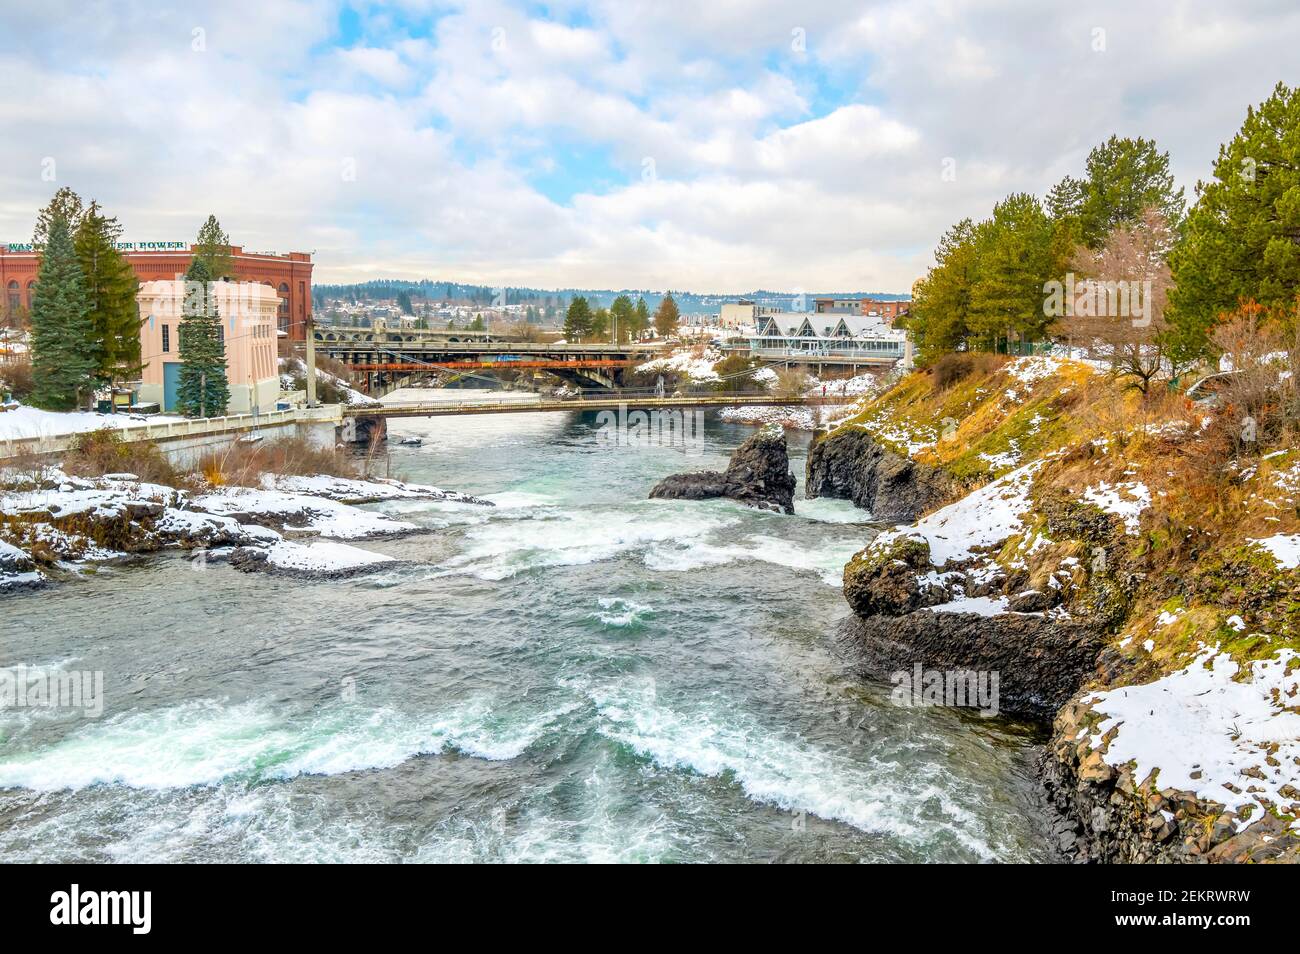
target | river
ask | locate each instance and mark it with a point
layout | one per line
(578, 674)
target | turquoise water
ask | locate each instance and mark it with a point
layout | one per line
(578, 674)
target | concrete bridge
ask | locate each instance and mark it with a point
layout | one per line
(604, 403)
(384, 356)
(367, 424)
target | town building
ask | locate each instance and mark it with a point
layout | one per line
(249, 318)
(743, 313)
(885, 309)
(826, 334)
(288, 275)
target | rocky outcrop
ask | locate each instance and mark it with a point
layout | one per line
(1040, 662)
(848, 464)
(758, 475)
(1108, 815)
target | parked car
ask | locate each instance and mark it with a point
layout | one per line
(1208, 391)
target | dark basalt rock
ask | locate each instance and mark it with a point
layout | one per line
(849, 465)
(1040, 662)
(759, 475)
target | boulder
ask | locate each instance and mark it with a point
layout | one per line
(849, 465)
(758, 475)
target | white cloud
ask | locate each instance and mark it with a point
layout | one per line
(811, 164)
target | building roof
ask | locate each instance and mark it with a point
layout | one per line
(809, 324)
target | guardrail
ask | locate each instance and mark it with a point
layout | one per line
(172, 430)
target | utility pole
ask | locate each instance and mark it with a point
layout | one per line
(311, 361)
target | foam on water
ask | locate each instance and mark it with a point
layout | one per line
(495, 551)
(204, 743)
(620, 613)
(849, 786)
(826, 560)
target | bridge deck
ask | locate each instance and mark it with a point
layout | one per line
(611, 403)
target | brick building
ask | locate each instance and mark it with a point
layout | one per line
(289, 275)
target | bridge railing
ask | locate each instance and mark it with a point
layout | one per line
(173, 429)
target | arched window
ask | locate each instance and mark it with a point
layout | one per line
(284, 306)
(31, 290)
(15, 297)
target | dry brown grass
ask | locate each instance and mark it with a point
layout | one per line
(16, 375)
(952, 368)
(101, 452)
(242, 465)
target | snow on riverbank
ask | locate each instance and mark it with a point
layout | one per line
(695, 364)
(321, 557)
(353, 491)
(1208, 731)
(26, 422)
(982, 519)
(55, 522)
(299, 512)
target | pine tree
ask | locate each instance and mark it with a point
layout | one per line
(111, 286)
(600, 325)
(940, 315)
(1125, 177)
(578, 320)
(642, 321)
(1240, 241)
(622, 315)
(213, 247)
(63, 363)
(667, 317)
(65, 205)
(1015, 259)
(203, 390)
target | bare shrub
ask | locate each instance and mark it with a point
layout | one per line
(101, 452)
(16, 375)
(951, 368)
(243, 464)
(792, 382)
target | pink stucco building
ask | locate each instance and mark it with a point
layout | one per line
(248, 326)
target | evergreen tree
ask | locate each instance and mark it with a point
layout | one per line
(667, 317)
(940, 315)
(65, 205)
(622, 314)
(578, 320)
(213, 247)
(1241, 237)
(642, 320)
(203, 390)
(404, 303)
(1015, 260)
(111, 286)
(600, 325)
(1125, 177)
(63, 364)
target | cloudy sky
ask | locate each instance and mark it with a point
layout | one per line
(713, 145)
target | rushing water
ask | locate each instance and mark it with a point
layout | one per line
(578, 674)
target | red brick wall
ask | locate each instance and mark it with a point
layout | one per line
(289, 274)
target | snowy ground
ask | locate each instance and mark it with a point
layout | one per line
(24, 422)
(1231, 736)
(220, 519)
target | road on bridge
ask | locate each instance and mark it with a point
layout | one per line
(613, 402)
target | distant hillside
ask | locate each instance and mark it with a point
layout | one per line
(691, 303)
